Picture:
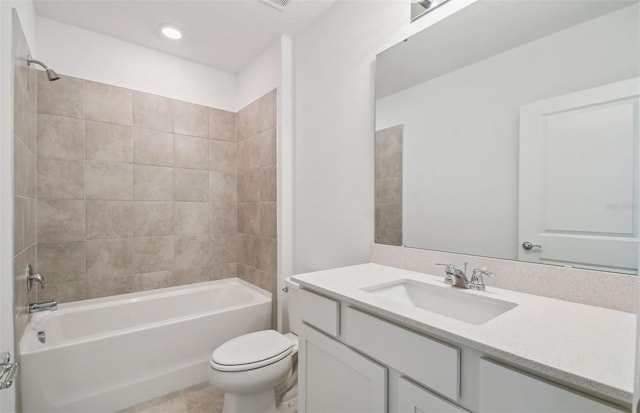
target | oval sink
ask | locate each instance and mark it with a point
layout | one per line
(447, 301)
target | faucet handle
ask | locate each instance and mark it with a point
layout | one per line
(448, 271)
(477, 280)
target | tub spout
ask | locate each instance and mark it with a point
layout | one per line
(47, 305)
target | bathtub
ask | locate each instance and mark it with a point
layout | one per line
(106, 354)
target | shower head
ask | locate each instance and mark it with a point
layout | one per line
(51, 74)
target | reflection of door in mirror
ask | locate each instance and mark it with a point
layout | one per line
(578, 178)
(388, 185)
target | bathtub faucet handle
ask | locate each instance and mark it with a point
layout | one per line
(31, 277)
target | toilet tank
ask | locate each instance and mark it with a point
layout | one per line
(292, 306)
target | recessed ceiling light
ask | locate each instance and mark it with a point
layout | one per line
(170, 31)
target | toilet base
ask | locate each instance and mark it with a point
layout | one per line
(263, 402)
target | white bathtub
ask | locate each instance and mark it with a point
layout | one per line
(106, 354)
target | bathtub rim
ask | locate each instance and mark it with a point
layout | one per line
(28, 345)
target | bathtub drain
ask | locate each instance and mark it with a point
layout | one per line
(42, 336)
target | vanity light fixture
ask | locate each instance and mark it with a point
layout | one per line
(421, 7)
(170, 31)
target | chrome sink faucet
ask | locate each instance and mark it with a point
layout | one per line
(458, 278)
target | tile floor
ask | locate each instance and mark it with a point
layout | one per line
(202, 398)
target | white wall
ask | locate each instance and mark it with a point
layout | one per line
(461, 130)
(73, 51)
(334, 126)
(260, 76)
(26, 14)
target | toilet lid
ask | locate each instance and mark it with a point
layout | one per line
(251, 351)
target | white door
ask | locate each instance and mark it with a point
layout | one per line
(578, 179)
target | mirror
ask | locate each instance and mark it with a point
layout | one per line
(510, 130)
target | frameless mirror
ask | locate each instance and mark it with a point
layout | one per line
(510, 130)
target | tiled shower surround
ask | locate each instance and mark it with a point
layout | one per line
(137, 191)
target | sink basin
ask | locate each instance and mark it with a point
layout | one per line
(447, 301)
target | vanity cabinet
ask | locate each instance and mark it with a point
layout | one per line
(414, 398)
(506, 390)
(335, 378)
(353, 361)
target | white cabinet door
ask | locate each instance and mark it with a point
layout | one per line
(504, 390)
(578, 178)
(415, 399)
(333, 378)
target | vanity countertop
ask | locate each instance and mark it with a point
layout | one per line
(587, 347)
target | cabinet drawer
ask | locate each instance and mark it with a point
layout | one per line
(506, 390)
(321, 312)
(429, 362)
(413, 398)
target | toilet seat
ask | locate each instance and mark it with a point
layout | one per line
(251, 351)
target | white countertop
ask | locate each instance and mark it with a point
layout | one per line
(587, 347)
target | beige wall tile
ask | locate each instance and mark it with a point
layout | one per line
(112, 181)
(152, 280)
(60, 137)
(108, 142)
(60, 179)
(62, 97)
(153, 254)
(108, 103)
(389, 236)
(24, 179)
(249, 185)
(153, 219)
(65, 292)
(258, 116)
(190, 119)
(18, 223)
(109, 257)
(389, 166)
(220, 271)
(191, 251)
(267, 248)
(389, 141)
(222, 125)
(190, 218)
(152, 112)
(152, 147)
(191, 152)
(61, 261)
(152, 183)
(388, 191)
(191, 275)
(223, 248)
(222, 156)
(61, 220)
(30, 230)
(223, 186)
(268, 219)
(249, 217)
(191, 185)
(108, 286)
(247, 249)
(268, 183)
(223, 217)
(389, 216)
(257, 151)
(110, 219)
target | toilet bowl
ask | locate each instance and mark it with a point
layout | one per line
(249, 367)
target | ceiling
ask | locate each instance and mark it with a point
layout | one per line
(223, 34)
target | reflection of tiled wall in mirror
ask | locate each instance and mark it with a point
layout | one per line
(388, 185)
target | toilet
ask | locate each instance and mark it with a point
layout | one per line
(249, 367)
